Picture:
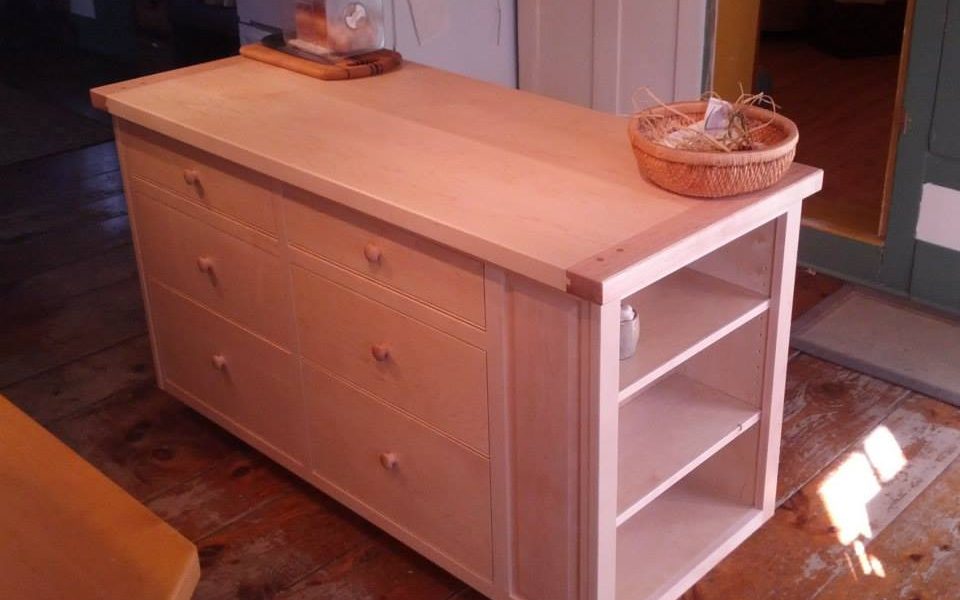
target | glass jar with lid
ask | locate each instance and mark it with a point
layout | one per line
(338, 27)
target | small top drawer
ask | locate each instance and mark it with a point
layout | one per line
(234, 277)
(406, 262)
(208, 180)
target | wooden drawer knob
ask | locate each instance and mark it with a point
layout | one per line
(219, 362)
(205, 264)
(191, 176)
(372, 253)
(389, 460)
(380, 352)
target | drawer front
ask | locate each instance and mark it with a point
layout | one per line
(414, 476)
(228, 275)
(208, 180)
(413, 366)
(240, 376)
(401, 260)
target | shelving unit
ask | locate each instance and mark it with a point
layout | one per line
(697, 418)
(687, 529)
(673, 428)
(680, 316)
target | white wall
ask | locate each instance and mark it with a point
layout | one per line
(472, 37)
(939, 221)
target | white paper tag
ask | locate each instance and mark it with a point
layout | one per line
(717, 118)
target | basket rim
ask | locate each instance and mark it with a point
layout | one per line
(644, 144)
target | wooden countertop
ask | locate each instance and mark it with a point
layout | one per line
(540, 187)
(67, 531)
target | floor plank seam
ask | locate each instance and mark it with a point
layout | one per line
(843, 450)
(869, 542)
(117, 396)
(18, 167)
(110, 247)
(233, 521)
(369, 543)
(65, 363)
(200, 476)
(12, 287)
(12, 241)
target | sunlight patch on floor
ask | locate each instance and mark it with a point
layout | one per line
(847, 493)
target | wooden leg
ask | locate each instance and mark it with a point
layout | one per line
(604, 412)
(777, 351)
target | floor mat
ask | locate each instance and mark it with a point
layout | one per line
(887, 338)
(31, 128)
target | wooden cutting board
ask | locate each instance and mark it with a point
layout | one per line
(353, 67)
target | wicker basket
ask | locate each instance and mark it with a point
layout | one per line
(716, 174)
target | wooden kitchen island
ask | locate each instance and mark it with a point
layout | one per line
(406, 289)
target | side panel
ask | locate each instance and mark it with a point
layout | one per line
(543, 409)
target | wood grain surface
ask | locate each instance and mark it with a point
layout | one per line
(450, 170)
(68, 531)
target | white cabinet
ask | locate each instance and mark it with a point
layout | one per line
(598, 53)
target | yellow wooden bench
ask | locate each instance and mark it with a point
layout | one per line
(66, 531)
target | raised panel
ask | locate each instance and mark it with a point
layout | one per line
(234, 374)
(224, 273)
(409, 364)
(205, 179)
(401, 260)
(945, 133)
(417, 478)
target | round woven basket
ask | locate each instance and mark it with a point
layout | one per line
(715, 174)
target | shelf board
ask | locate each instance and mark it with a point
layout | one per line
(668, 431)
(671, 544)
(679, 316)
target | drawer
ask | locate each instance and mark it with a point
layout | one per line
(250, 382)
(226, 274)
(438, 276)
(210, 181)
(413, 366)
(415, 477)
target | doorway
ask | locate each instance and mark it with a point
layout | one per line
(836, 67)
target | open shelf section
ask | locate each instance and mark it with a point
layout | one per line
(668, 431)
(681, 315)
(666, 547)
(670, 545)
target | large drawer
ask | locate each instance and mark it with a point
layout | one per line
(438, 276)
(208, 180)
(224, 273)
(411, 365)
(422, 481)
(237, 375)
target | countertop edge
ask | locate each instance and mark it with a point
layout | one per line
(617, 272)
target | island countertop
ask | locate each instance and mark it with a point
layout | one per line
(539, 187)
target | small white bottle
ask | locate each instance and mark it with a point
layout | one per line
(629, 331)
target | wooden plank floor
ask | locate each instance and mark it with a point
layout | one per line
(869, 484)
